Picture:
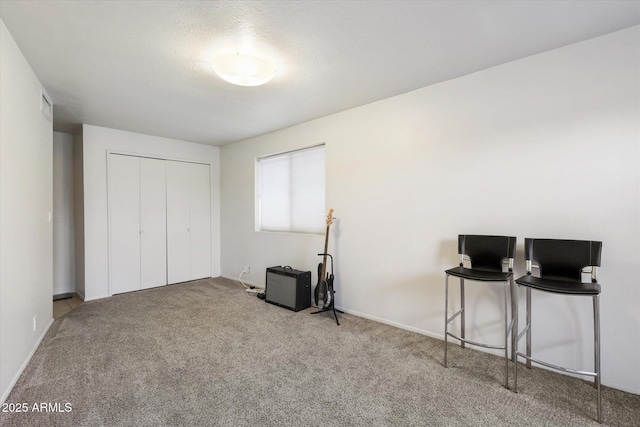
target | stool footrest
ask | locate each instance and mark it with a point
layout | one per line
(478, 344)
(556, 367)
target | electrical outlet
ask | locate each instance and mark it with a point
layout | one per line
(247, 269)
(35, 323)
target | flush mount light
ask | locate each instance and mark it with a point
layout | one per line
(243, 69)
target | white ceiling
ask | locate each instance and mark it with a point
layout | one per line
(142, 66)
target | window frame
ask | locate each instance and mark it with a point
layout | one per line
(257, 195)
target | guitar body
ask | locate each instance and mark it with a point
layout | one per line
(329, 291)
(320, 292)
(323, 292)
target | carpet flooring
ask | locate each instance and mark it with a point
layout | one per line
(206, 353)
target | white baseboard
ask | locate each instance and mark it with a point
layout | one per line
(618, 386)
(94, 298)
(235, 279)
(623, 387)
(394, 324)
(24, 365)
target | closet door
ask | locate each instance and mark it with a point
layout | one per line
(124, 222)
(200, 203)
(188, 221)
(153, 223)
(178, 222)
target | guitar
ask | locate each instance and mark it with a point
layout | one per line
(323, 291)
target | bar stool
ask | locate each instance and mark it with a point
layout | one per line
(561, 264)
(487, 255)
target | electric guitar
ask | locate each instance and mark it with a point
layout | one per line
(323, 291)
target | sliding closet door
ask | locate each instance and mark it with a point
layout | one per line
(153, 223)
(200, 201)
(178, 222)
(188, 221)
(160, 222)
(124, 222)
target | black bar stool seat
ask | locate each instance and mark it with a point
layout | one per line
(567, 287)
(479, 275)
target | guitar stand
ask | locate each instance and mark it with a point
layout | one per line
(331, 306)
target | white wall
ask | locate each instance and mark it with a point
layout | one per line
(64, 280)
(546, 146)
(96, 142)
(25, 204)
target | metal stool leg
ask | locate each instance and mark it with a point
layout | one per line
(514, 317)
(529, 327)
(506, 336)
(514, 339)
(446, 316)
(462, 314)
(596, 333)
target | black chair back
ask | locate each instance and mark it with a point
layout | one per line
(486, 252)
(562, 259)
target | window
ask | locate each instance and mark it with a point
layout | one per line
(290, 191)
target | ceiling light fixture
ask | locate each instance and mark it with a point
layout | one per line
(243, 69)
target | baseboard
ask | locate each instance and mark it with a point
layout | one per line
(622, 387)
(391, 323)
(94, 298)
(615, 385)
(81, 295)
(65, 295)
(24, 365)
(235, 279)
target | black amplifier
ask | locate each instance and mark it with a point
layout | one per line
(288, 288)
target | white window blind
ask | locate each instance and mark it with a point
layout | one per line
(291, 191)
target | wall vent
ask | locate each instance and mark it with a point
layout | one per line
(46, 106)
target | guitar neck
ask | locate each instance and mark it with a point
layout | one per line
(324, 257)
(326, 246)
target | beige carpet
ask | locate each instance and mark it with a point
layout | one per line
(206, 353)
